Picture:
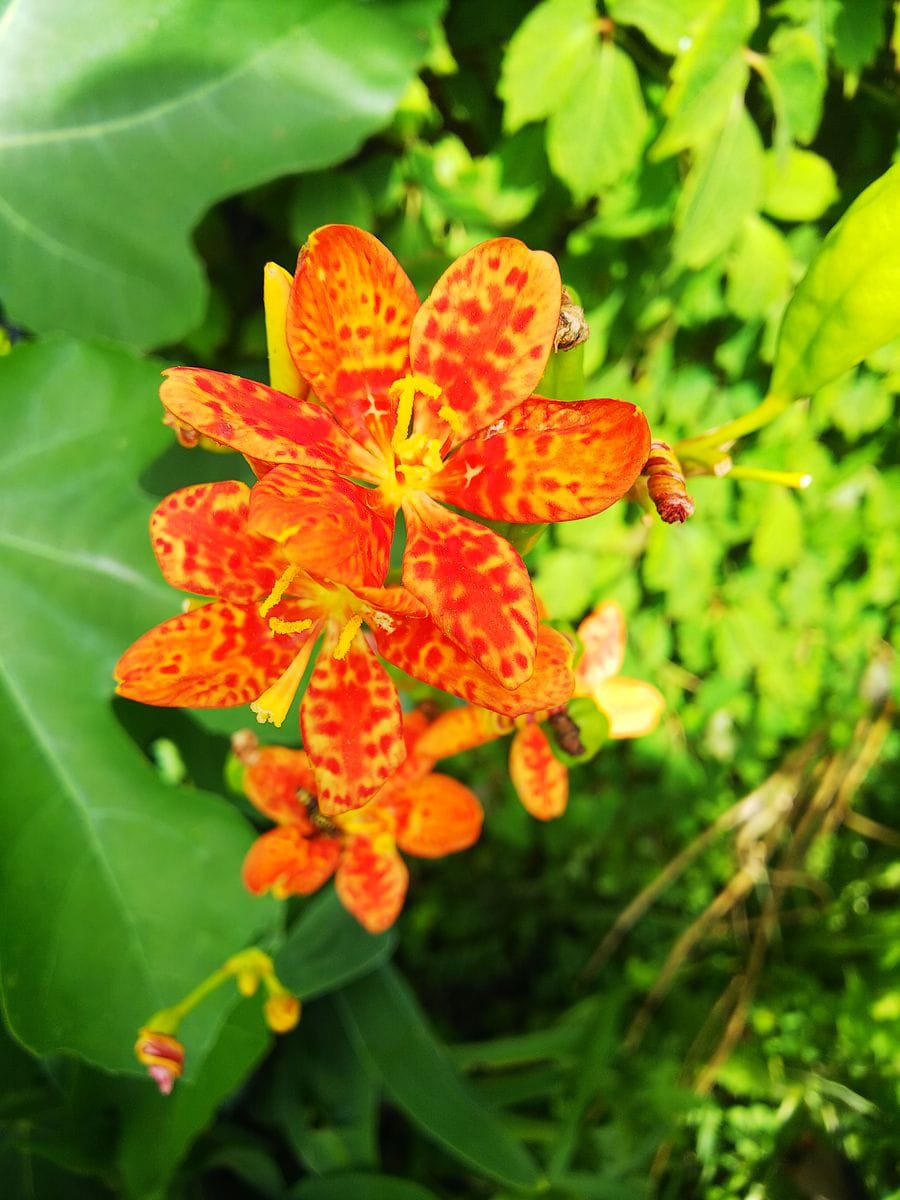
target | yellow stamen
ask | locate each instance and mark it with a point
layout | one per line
(452, 417)
(404, 391)
(281, 586)
(275, 701)
(278, 626)
(345, 641)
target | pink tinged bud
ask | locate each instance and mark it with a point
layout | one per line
(162, 1055)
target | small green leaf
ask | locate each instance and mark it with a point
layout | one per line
(471, 190)
(152, 113)
(848, 302)
(799, 186)
(722, 188)
(759, 270)
(359, 1186)
(546, 55)
(597, 133)
(664, 23)
(327, 948)
(709, 74)
(391, 1032)
(859, 31)
(797, 67)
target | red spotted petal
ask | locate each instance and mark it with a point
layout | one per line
(475, 586)
(602, 636)
(435, 816)
(348, 324)
(202, 544)
(422, 651)
(262, 423)
(484, 335)
(290, 862)
(632, 706)
(324, 523)
(548, 460)
(215, 656)
(371, 882)
(276, 781)
(540, 779)
(392, 601)
(352, 726)
(462, 729)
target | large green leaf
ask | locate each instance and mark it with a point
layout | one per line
(546, 56)
(391, 1032)
(121, 123)
(848, 302)
(117, 892)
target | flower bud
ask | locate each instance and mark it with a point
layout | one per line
(162, 1055)
(282, 1012)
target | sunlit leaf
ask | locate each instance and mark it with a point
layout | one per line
(546, 56)
(799, 185)
(848, 303)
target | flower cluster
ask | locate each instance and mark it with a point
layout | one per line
(379, 406)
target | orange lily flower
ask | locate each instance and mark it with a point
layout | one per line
(253, 643)
(631, 706)
(431, 406)
(416, 811)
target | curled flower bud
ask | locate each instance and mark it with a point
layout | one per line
(572, 329)
(162, 1055)
(282, 1012)
(665, 484)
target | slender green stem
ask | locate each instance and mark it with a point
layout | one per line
(791, 479)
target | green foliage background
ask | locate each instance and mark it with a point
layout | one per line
(684, 159)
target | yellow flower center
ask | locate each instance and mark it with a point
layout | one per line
(416, 457)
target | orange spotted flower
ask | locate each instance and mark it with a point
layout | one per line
(429, 406)
(417, 811)
(631, 706)
(253, 642)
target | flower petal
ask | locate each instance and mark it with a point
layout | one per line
(371, 883)
(435, 816)
(260, 422)
(540, 779)
(352, 726)
(273, 780)
(325, 524)
(602, 636)
(475, 586)
(215, 656)
(290, 862)
(548, 460)
(202, 544)
(348, 324)
(484, 335)
(632, 706)
(389, 602)
(462, 729)
(422, 651)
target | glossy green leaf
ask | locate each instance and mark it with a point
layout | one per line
(117, 892)
(360, 1185)
(391, 1032)
(799, 185)
(327, 948)
(759, 270)
(141, 116)
(665, 23)
(722, 188)
(157, 1130)
(848, 302)
(548, 53)
(597, 134)
(708, 75)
